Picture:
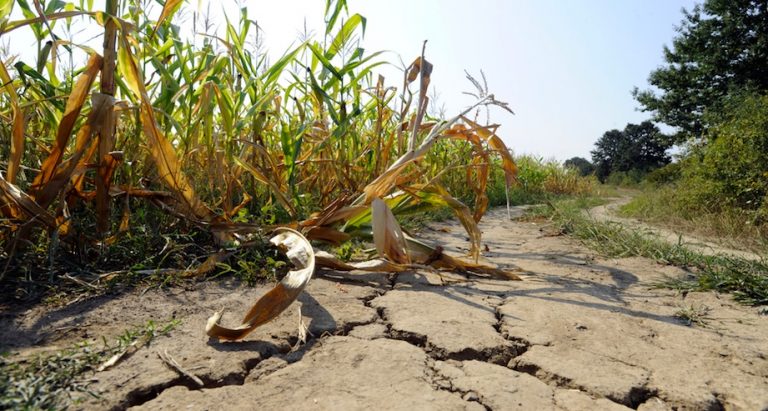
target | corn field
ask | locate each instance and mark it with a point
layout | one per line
(214, 135)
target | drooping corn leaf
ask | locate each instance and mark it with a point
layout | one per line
(387, 235)
(67, 169)
(437, 195)
(80, 91)
(424, 253)
(326, 260)
(17, 133)
(169, 8)
(259, 176)
(497, 144)
(162, 151)
(22, 204)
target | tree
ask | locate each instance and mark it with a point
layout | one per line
(640, 147)
(722, 48)
(582, 164)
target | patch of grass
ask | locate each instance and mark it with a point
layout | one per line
(419, 221)
(255, 265)
(731, 226)
(693, 315)
(539, 179)
(48, 381)
(746, 280)
(350, 250)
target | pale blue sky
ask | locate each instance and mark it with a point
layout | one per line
(566, 67)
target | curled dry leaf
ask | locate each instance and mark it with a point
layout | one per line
(299, 251)
(416, 67)
(17, 204)
(436, 195)
(387, 235)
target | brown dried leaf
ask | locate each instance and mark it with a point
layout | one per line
(326, 234)
(416, 67)
(162, 151)
(17, 133)
(387, 235)
(327, 260)
(497, 144)
(260, 177)
(72, 110)
(299, 251)
(46, 193)
(437, 195)
(21, 203)
(434, 256)
(169, 8)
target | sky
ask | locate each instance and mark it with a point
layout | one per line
(567, 68)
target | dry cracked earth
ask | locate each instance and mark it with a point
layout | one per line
(579, 333)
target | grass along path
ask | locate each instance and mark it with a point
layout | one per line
(745, 278)
(704, 245)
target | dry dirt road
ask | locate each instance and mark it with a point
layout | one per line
(580, 332)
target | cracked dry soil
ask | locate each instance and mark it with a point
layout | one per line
(579, 333)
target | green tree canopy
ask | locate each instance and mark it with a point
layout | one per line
(639, 147)
(722, 47)
(582, 164)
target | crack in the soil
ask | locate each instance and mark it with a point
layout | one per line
(634, 398)
(145, 394)
(500, 355)
(440, 382)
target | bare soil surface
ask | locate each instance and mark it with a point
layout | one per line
(580, 332)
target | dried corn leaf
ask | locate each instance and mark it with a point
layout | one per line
(162, 151)
(387, 235)
(20, 203)
(327, 260)
(67, 170)
(438, 196)
(260, 177)
(75, 102)
(17, 133)
(496, 143)
(381, 186)
(169, 9)
(299, 251)
(326, 234)
(436, 257)
(416, 67)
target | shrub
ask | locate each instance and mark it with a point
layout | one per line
(731, 169)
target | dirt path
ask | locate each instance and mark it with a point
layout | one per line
(579, 333)
(607, 212)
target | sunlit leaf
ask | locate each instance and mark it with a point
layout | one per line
(42, 191)
(17, 133)
(169, 9)
(387, 235)
(497, 144)
(163, 153)
(299, 252)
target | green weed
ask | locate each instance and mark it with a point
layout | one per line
(746, 280)
(48, 381)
